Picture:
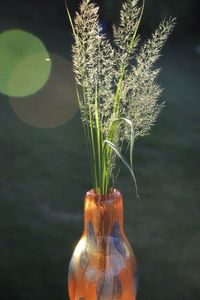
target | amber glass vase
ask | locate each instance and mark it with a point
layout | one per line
(103, 266)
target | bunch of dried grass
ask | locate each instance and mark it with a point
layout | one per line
(119, 101)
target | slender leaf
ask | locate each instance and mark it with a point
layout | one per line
(70, 18)
(119, 154)
(131, 140)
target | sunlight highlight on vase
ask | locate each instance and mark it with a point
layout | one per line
(25, 64)
(55, 103)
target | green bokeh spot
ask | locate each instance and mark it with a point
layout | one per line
(25, 64)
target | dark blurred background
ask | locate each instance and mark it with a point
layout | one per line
(44, 172)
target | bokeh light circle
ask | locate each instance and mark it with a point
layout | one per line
(25, 64)
(56, 103)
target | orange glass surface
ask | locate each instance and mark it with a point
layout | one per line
(103, 266)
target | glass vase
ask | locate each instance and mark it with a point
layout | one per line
(103, 266)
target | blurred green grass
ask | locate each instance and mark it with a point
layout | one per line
(44, 175)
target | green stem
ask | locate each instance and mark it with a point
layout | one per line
(88, 140)
(93, 151)
(98, 134)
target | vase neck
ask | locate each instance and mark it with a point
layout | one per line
(103, 214)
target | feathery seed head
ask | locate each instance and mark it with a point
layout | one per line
(112, 91)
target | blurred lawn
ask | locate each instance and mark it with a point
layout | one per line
(44, 176)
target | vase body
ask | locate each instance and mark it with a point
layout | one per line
(103, 266)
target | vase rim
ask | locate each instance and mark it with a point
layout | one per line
(113, 195)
